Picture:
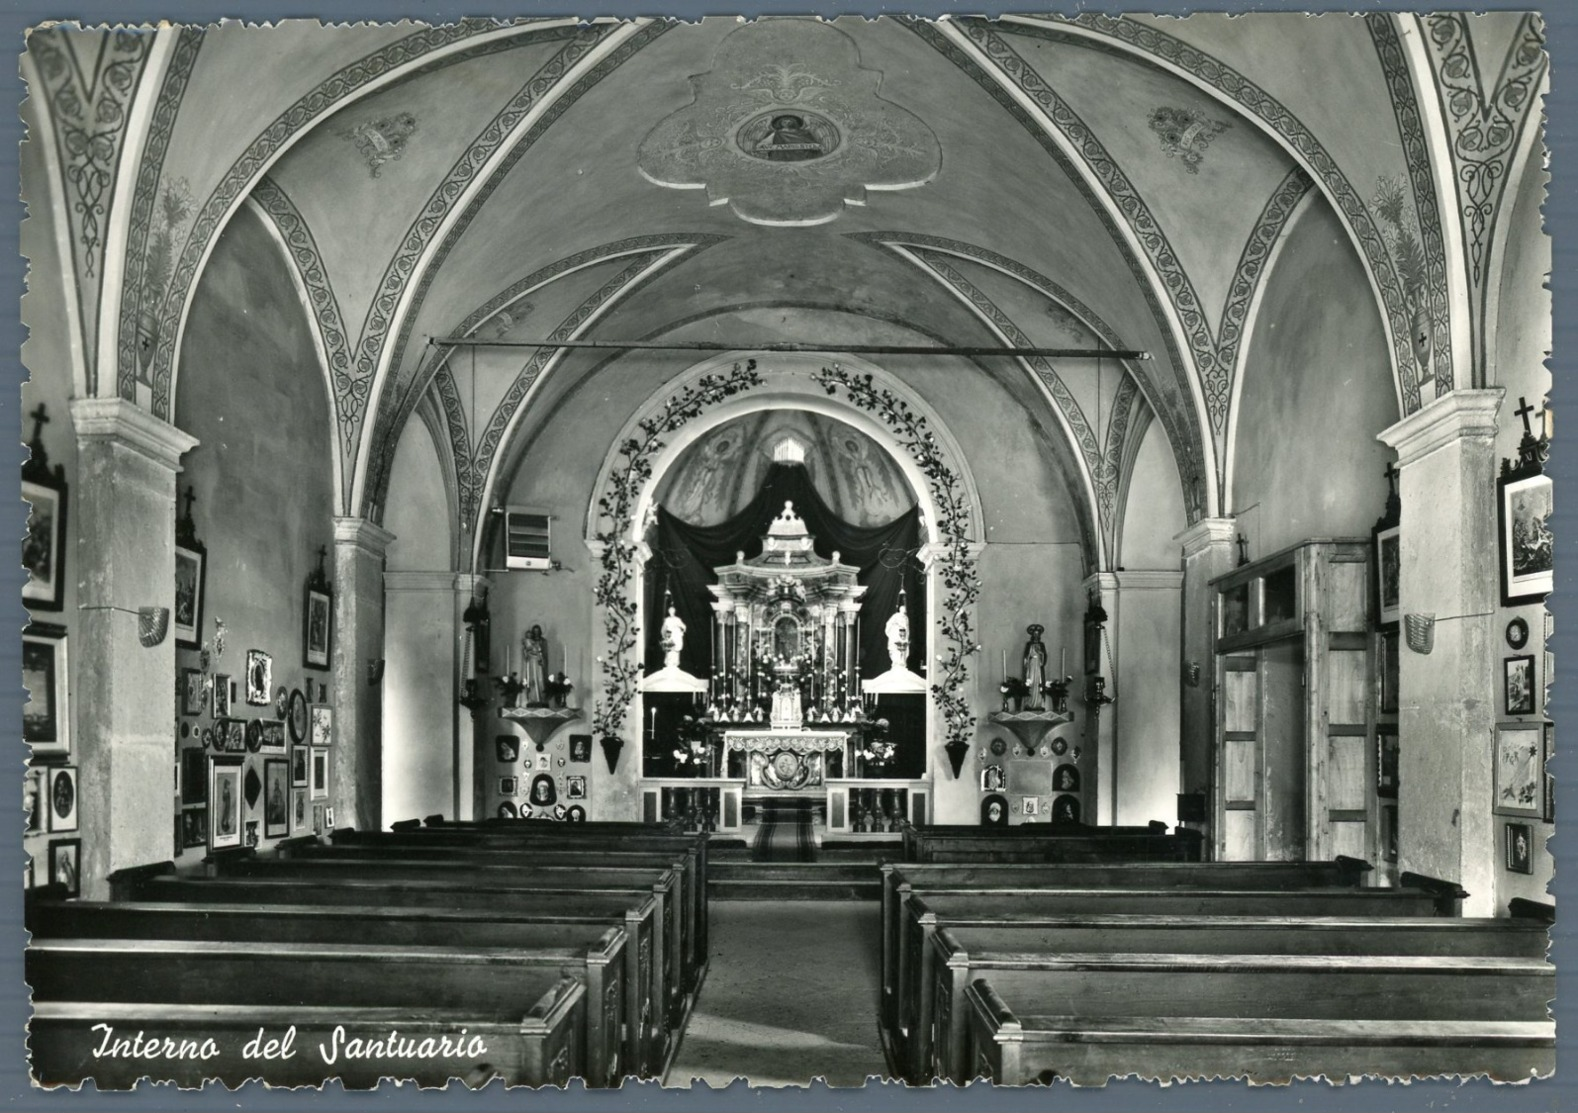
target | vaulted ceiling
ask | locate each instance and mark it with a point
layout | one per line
(1033, 181)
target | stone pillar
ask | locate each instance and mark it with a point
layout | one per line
(124, 740)
(427, 736)
(356, 781)
(1098, 732)
(1448, 700)
(1207, 553)
(473, 741)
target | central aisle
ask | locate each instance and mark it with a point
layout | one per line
(791, 995)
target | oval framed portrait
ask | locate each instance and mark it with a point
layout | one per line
(507, 810)
(575, 814)
(1059, 746)
(1517, 633)
(296, 716)
(254, 735)
(999, 747)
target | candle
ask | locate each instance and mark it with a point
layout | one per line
(1005, 664)
(1062, 661)
(653, 728)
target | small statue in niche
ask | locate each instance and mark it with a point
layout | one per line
(1035, 667)
(898, 634)
(673, 638)
(534, 667)
(994, 811)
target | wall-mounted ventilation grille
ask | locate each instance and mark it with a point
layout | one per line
(527, 541)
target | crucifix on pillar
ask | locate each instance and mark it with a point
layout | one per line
(1532, 450)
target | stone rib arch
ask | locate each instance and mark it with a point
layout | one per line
(1258, 108)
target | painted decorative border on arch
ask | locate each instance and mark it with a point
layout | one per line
(1275, 116)
(1410, 127)
(1180, 420)
(150, 167)
(1252, 264)
(618, 551)
(325, 306)
(322, 99)
(961, 586)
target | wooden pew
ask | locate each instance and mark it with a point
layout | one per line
(549, 1014)
(1017, 933)
(617, 847)
(1049, 843)
(161, 883)
(1017, 1049)
(642, 1051)
(898, 879)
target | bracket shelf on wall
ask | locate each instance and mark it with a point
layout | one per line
(540, 722)
(1030, 726)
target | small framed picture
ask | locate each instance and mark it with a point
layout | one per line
(328, 817)
(993, 778)
(1388, 574)
(63, 798)
(44, 543)
(317, 819)
(544, 762)
(575, 814)
(1519, 779)
(299, 816)
(191, 577)
(1386, 761)
(1519, 685)
(65, 865)
(194, 692)
(575, 787)
(260, 678)
(224, 797)
(580, 748)
(35, 792)
(272, 736)
(322, 725)
(1391, 671)
(1520, 847)
(1523, 505)
(320, 774)
(46, 716)
(194, 776)
(508, 786)
(276, 798)
(317, 628)
(224, 695)
(232, 737)
(506, 749)
(1550, 781)
(251, 838)
(194, 827)
(298, 767)
(296, 716)
(1030, 805)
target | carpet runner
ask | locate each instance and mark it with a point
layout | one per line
(785, 834)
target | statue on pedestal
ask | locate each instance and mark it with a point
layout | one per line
(673, 638)
(534, 667)
(1035, 668)
(898, 632)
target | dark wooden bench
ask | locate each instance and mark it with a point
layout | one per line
(540, 899)
(1047, 844)
(1241, 986)
(1017, 1049)
(1017, 932)
(915, 837)
(683, 855)
(641, 1050)
(898, 879)
(563, 1004)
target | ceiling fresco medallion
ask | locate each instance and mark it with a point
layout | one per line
(787, 128)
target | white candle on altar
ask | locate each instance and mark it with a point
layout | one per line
(1062, 662)
(653, 728)
(1005, 664)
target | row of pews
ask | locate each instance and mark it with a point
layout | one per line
(523, 951)
(1022, 965)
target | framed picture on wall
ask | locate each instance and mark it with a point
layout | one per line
(1523, 505)
(46, 719)
(194, 827)
(276, 798)
(317, 628)
(1520, 847)
(1519, 685)
(299, 816)
(194, 692)
(1519, 780)
(65, 865)
(271, 736)
(224, 695)
(1550, 781)
(320, 774)
(44, 543)
(298, 767)
(1388, 574)
(194, 779)
(322, 725)
(63, 798)
(224, 796)
(191, 581)
(1386, 761)
(1391, 671)
(260, 678)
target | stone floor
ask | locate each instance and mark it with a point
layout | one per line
(791, 995)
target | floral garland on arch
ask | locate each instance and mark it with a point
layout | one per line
(621, 673)
(961, 586)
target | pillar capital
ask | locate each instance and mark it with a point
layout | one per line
(120, 421)
(371, 539)
(447, 582)
(1460, 415)
(1104, 582)
(1147, 579)
(933, 551)
(1206, 533)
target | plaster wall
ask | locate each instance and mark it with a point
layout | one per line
(1145, 760)
(1317, 389)
(252, 392)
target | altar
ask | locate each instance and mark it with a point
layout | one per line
(773, 761)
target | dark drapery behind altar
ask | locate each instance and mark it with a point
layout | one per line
(684, 556)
